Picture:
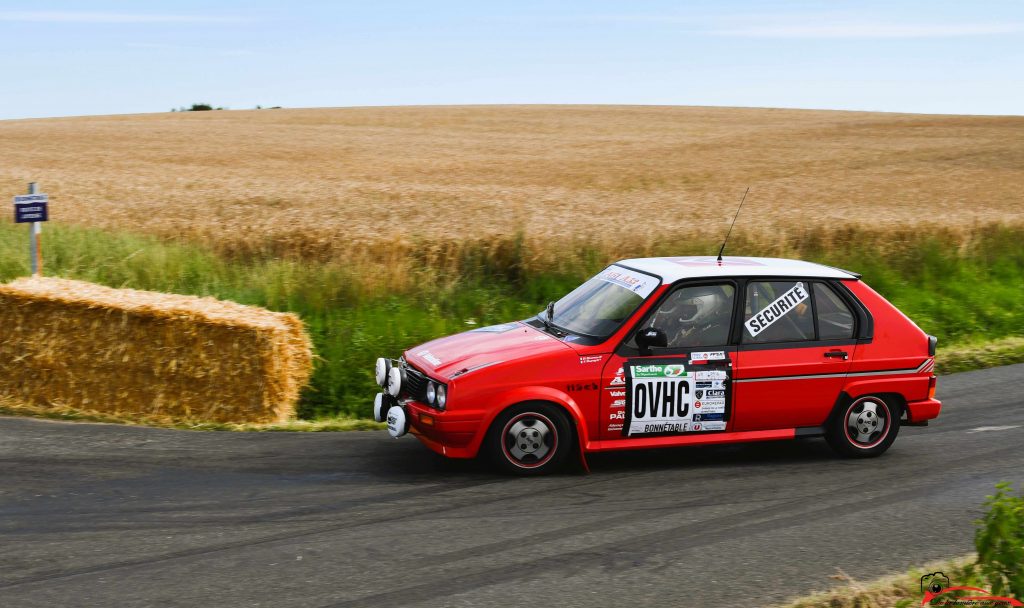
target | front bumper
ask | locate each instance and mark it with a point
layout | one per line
(455, 434)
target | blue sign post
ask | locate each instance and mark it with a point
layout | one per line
(32, 208)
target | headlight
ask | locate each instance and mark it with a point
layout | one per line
(442, 396)
(431, 392)
(394, 381)
(381, 371)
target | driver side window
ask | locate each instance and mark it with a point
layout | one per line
(696, 316)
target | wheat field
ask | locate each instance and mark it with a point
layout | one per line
(331, 183)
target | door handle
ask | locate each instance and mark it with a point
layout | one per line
(837, 354)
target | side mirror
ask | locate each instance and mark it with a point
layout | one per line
(650, 337)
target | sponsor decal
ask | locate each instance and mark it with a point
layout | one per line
(711, 375)
(618, 403)
(702, 417)
(660, 398)
(615, 427)
(429, 357)
(699, 393)
(495, 329)
(589, 386)
(640, 284)
(617, 394)
(711, 355)
(713, 425)
(618, 415)
(619, 379)
(658, 371)
(716, 394)
(590, 359)
(938, 590)
(712, 261)
(771, 313)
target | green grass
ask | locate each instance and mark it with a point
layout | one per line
(966, 289)
(899, 590)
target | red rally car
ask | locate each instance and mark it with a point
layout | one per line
(661, 352)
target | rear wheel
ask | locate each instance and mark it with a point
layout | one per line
(529, 439)
(866, 427)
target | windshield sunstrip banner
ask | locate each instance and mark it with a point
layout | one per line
(641, 284)
(666, 397)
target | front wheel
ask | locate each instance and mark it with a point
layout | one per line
(529, 439)
(866, 427)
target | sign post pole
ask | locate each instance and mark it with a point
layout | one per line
(34, 234)
(33, 209)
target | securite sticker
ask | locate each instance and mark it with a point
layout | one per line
(711, 355)
(771, 313)
(661, 399)
(638, 283)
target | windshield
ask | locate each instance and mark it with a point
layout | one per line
(598, 307)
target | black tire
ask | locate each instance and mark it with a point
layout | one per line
(865, 427)
(544, 437)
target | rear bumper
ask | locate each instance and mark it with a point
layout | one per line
(920, 411)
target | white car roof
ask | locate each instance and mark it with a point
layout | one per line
(673, 269)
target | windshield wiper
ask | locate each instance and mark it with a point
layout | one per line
(546, 318)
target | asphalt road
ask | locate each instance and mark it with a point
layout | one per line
(106, 515)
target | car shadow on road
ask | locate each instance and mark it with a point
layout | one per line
(416, 461)
(762, 454)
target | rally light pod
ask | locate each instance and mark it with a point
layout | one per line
(381, 370)
(394, 381)
(378, 407)
(398, 423)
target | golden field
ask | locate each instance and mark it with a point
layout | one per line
(333, 183)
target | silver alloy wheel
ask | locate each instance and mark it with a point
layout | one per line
(867, 422)
(529, 439)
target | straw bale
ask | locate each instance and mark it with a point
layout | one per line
(124, 351)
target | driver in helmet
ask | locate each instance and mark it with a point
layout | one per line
(697, 316)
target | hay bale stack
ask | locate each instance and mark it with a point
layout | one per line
(149, 354)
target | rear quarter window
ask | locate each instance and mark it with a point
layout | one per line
(835, 319)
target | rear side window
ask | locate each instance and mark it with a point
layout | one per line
(777, 311)
(835, 319)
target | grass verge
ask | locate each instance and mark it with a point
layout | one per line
(963, 286)
(967, 357)
(900, 590)
(10, 407)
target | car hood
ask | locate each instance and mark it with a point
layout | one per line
(462, 353)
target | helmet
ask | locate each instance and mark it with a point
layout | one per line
(701, 304)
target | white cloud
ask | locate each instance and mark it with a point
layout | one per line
(95, 17)
(870, 30)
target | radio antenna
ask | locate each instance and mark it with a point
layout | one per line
(731, 225)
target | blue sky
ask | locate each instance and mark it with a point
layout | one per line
(72, 58)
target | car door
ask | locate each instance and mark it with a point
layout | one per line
(795, 345)
(682, 387)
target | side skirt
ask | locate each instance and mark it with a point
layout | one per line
(641, 443)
